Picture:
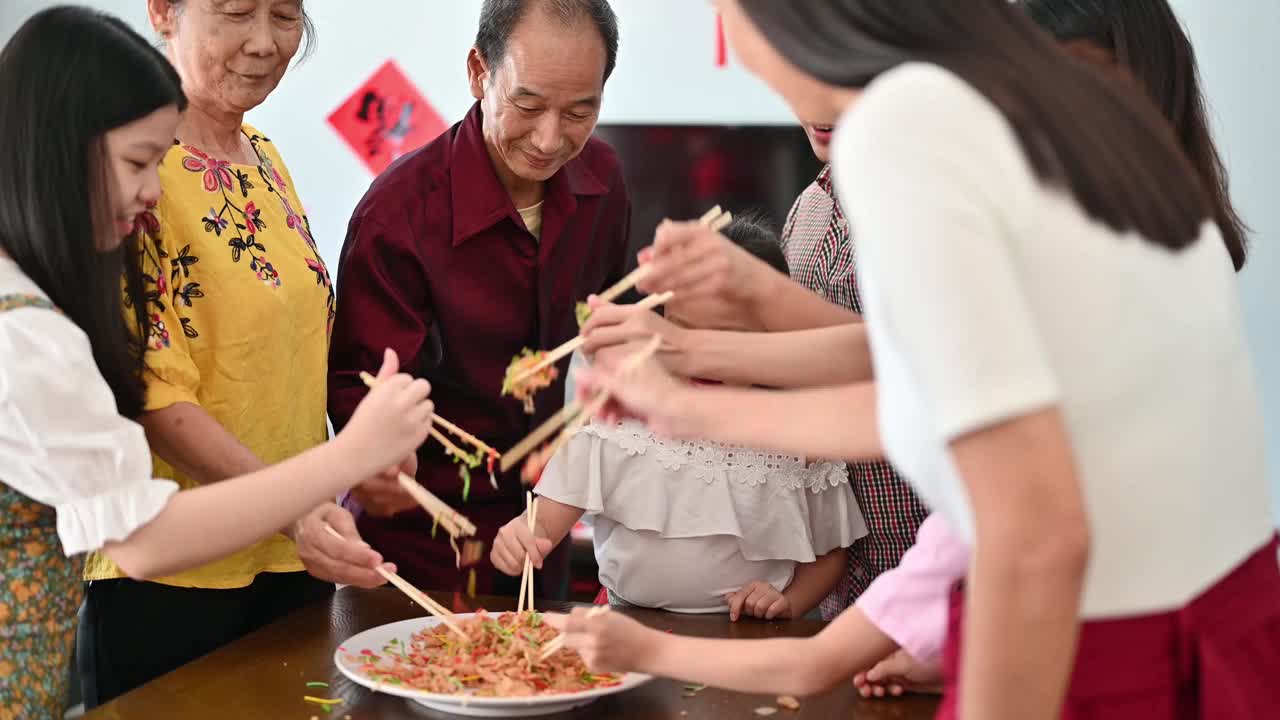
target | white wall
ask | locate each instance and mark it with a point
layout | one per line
(666, 75)
(1240, 64)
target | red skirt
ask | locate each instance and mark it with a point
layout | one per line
(1217, 658)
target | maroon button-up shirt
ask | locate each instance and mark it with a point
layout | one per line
(438, 266)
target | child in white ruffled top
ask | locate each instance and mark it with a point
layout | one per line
(690, 526)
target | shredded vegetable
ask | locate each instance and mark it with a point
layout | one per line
(499, 659)
(524, 389)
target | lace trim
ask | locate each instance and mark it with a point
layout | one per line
(749, 467)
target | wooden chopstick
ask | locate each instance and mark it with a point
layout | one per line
(558, 641)
(535, 438)
(448, 445)
(711, 218)
(369, 380)
(710, 215)
(554, 356)
(574, 409)
(533, 525)
(414, 594)
(524, 570)
(437, 508)
(465, 436)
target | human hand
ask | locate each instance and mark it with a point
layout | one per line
(392, 420)
(607, 641)
(383, 495)
(696, 262)
(897, 674)
(647, 393)
(615, 326)
(758, 599)
(513, 543)
(349, 561)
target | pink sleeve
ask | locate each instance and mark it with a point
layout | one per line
(909, 602)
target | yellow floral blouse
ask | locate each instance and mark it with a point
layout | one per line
(242, 306)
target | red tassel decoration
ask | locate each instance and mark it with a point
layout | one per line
(722, 52)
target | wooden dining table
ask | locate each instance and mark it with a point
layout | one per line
(265, 674)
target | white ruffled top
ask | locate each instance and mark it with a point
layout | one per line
(678, 525)
(62, 443)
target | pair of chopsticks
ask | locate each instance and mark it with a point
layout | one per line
(526, 577)
(416, 595)
(453, 522)
(448, 445)
(558, 641)
(555, 356)
(715, 218)
(573, 415)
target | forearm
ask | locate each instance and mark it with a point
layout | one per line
(835, 422)
(791, 666)
(814, 581)
(1020, 632)
(187, 437)
(555, 519)
(803, 358)
(782, 304)
(1030, 553)
(212, 521)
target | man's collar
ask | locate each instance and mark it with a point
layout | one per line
(479, 199)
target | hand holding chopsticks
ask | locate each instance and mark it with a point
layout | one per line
(551, 358)
(574, 413)
(713, 218)
(558, 642)
(414, 594)
(467, 459)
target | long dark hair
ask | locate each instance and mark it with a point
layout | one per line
(68, 76)
(1145, 39)
(1106, 146)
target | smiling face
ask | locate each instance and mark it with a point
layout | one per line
(230, 53)
(817, 104)
(132, 155)
(541, 101)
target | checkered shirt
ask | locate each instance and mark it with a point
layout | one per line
(819, 249)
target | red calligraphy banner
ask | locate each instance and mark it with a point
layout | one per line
(385, 118)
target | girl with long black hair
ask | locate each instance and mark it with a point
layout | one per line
(87, 110)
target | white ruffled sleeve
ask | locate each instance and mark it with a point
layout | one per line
(778, 507)
(62, 443)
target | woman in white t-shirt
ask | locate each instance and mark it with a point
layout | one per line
(1060, 364)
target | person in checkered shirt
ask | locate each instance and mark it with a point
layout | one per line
(819, 249)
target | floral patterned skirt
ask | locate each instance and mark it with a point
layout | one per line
(40, 592)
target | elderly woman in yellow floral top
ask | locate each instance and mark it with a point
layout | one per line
(241, 303)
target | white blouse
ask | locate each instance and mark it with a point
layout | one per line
(679, 525)
(990, 295)
(62, 443)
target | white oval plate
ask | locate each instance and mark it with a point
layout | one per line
(376, 639)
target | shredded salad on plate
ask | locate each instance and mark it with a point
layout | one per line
(500, 658)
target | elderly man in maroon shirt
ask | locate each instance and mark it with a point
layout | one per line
(476, 246)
